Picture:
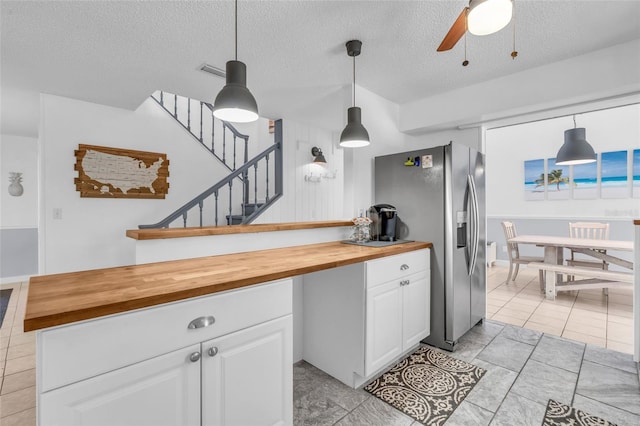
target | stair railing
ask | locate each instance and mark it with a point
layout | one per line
(203, 129)
(274, 151)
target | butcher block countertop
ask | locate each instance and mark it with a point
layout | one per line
(66, 298)
(162, 233)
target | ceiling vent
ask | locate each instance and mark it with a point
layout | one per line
(213, 70)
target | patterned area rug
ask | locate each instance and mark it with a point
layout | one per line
(560, 415)
(5, 295)
(428, 385)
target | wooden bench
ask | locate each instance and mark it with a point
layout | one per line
(597, 278)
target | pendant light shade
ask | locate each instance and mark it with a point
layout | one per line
(488, 16)
(354, 134)
(235, 103)
(576, 149)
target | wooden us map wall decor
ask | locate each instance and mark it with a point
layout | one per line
(120, 173)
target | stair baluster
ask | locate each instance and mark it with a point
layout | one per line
(230, 218)
(224, 147)
(216, 208)
(267, 178)
(200, 205)
(184, 218)
(255, 184)
(175, 106)
(201, 123)
(189, 114)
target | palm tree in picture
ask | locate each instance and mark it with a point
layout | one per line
(540, 180)
(556, 177)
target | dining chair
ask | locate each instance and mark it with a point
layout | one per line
(591, 230)
(515, 260)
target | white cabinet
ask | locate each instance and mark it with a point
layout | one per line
(161, 391)
(358, 319)
(233, 368)
(246, 376)
(383, 325)
(397, 319)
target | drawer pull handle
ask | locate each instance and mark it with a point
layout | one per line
(404, 267)
(404, 282)
(213, 351)
(194, 357)
(201, 322)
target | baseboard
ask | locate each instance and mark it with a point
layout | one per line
(500, 262)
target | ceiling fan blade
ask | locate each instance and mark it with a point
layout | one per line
(456, 32)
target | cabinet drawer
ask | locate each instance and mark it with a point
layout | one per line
(388, 268)
(75, 352)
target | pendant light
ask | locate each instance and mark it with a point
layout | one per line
(354, 134)
(235, 103)
(488, 16)
(576, 149)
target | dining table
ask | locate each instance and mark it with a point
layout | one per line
(554, 255)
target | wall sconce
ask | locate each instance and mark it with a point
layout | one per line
(317, 153)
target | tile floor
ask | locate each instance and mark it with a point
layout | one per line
(587, 315)
(17, 363)
(525, 367)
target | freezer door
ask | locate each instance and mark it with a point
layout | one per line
(479, 272)
(459, 252)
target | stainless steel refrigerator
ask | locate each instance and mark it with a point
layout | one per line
(440, 197)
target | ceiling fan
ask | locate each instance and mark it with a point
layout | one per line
(481, 17)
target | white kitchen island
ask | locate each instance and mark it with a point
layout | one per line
(195, 341)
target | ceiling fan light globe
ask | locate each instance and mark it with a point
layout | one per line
(488, 16)
(234, 102)
(576, 149)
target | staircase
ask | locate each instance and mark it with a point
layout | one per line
(247, 191)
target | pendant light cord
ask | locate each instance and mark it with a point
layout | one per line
(354, 80)
(236, 29)
(574, 121)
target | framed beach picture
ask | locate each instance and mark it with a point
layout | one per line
(558, 183)
(585, 181)
(534, 180)
(613, 172)
(635, 173)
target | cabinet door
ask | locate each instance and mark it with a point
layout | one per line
(161, 391)
(247, 376)
(415, 309)
(384, 325)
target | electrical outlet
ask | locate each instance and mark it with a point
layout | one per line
(57, 214)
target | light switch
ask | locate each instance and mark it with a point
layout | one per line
(57, 213)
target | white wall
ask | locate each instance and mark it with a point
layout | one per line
(91, 233)
(305, 200)
(19, 154)
(18, 215)
(508, 147)
(596, 75)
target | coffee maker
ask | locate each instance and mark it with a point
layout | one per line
(383, 222)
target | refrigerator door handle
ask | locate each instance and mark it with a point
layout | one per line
(475, 224)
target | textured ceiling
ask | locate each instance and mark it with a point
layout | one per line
(118, 52)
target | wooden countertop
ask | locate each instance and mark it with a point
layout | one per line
(75, 296)
(160, 233)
